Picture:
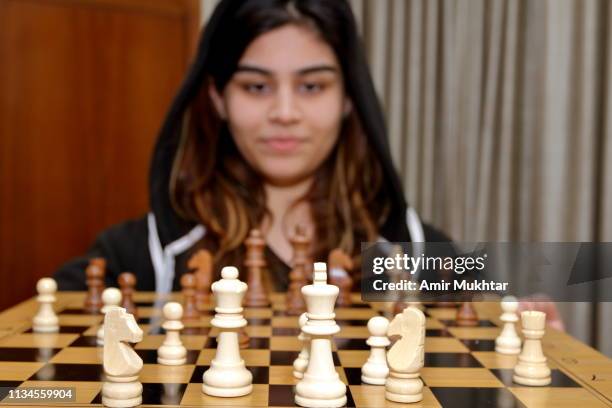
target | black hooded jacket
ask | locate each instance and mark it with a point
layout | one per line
(162, 239)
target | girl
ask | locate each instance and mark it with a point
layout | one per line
(276, 124)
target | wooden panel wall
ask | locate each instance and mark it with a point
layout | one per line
(84, 86)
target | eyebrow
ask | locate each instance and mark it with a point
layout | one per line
(301, 71)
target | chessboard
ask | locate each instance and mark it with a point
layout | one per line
(461, 367)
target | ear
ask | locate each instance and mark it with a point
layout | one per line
(217, 100)
(348, 107)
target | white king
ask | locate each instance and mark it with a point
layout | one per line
(321, 386)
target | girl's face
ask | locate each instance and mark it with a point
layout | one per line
(285, 104)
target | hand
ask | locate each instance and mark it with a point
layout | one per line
(542, 303)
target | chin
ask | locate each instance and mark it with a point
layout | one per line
(285, 174)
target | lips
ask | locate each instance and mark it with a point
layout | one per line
(282, 144)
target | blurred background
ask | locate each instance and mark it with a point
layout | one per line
(499, 115)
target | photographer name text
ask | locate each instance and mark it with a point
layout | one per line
(424, 285)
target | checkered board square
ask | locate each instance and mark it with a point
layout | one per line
(461, 366)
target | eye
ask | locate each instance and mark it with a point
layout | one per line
(256, 88)
(311, 87)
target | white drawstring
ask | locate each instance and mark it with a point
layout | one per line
(164, 259)
(417, 236)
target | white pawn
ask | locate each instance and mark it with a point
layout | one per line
(110, 297)
(375, 370)
(301, 362)
(46, 320)
(172, 352)
(531, 368)
(508, 342)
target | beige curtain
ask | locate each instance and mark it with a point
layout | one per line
(500, 119)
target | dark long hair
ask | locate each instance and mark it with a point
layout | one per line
(212, 184)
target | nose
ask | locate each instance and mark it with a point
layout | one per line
(285, 109)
